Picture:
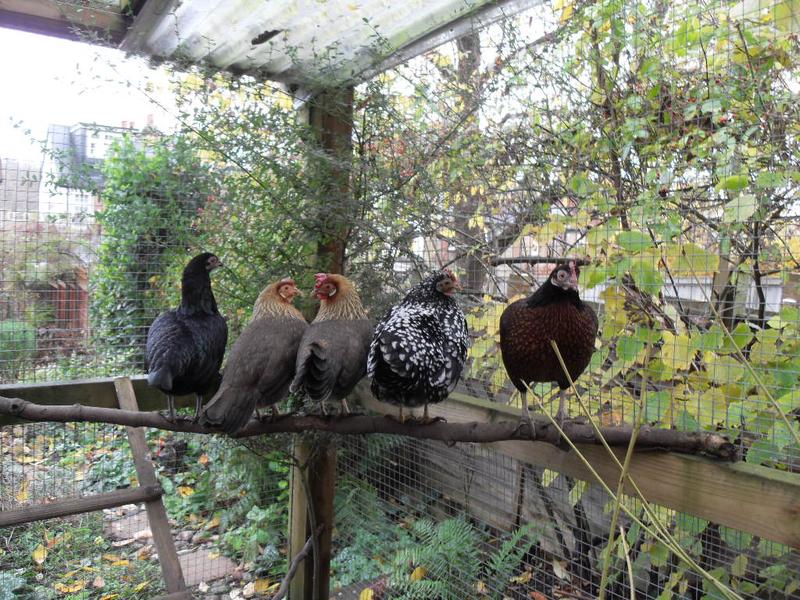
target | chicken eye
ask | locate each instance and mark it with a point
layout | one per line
(561, 275)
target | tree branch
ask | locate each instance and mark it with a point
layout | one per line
(298, 558)
(687, 442)
(537, 260)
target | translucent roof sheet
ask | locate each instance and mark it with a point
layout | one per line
(310, 42)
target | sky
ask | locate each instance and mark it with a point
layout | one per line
(48, 80)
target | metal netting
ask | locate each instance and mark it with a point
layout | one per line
(227, 504)
(655, 143)
(417, 519)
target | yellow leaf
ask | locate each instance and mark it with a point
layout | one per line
(523, 579)
(111, 557)
(71, 588)
(263, 586)
(566, 13)
(124, 562)
(366, 594)
(418, 573)
(109, 597)
(214, 522)
(39, 554)
(677, 351)
(481, 588)
(213, 555)
(141, 586)
(185, 490)
(22, 494)
(203, 460)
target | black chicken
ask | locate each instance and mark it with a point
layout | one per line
(185, 346)
(261, 363)
(554, 312)
(332, 357)
(419, 348)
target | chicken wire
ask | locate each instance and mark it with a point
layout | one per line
(471, 522)
(227, 503)
(680, 246)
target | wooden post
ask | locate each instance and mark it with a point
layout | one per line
(322, 481)
(298, 518)
(312, 579)
(156, 513)
(330, 114)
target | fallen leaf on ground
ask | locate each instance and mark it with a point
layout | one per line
(22, 494)
(70, 588)
(39, 554)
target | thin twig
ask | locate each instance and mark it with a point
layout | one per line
(293, 566)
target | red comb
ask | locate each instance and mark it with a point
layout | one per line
(320, 278)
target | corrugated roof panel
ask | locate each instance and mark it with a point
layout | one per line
(297, 40)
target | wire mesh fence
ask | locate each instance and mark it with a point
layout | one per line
(227, 502)
(653, 143)
(470, 522)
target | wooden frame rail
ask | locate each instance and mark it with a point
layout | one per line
(119, 393)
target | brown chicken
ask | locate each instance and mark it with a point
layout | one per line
(261, 362)
(332, 357)
(554, 312)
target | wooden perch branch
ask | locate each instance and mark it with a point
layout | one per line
(536, 260)
(687, 442)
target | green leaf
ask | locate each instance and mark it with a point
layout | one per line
(647, 277)
(691, 259)
(733, 183)
(761, 452)
(685, 421)
(659, 554)
(634, 241)
(739, 338)
(739, 540)
(768, 179)
(628, 348)
(740, 209)
(656, 406)
(710, 106)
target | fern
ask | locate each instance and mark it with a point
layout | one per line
(504, 562)
(443, 564)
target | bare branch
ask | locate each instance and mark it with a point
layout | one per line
(298, 558)
(687, 442)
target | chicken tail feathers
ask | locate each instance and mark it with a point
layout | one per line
(314, 374)
(229, 410)
(160, 379)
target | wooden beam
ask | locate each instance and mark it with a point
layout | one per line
(74, 506)
(91, 392)
(330, 114)
(64, 20)
(322, 481)
(298, 516)
(156, 513)
(752, 498)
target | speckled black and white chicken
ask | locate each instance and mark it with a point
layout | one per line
(420, 346)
